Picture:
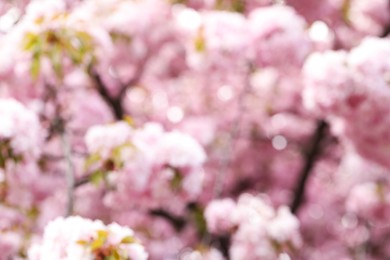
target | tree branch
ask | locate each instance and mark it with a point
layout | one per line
(177, 222)
(386, 30)
(69, 173)
(310, 159)
(114, 102)
(82, 181)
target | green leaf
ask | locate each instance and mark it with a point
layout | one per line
(85, 39)
(30, 41)
(55, 56)
(116, 154)
(82, 46)
(75, 54)
(92, 159)
(113, 256)
(100, 240)
(200, 221)
(97, 177)
(129, 120)
(177, 179)
(276, 245)
(128, 240)
(117, 37)
(238, 6)
(82, 242)
(35, 65)
(53, 44)
(33, 213)
(345, 11)
(200, 41)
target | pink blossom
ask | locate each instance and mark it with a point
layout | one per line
(278, 37)
(369, 17)
(21, 128)
(370, 200)
(103, 139)
(215, 214)
(10, 242)
(209, 254)
(180, 150)
(255, 227)
(69, 239)
(328, 82)
(284, 227)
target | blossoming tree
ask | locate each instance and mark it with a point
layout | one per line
(194, 129)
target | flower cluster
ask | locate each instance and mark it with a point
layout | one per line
(78, 238)
(345, 85)
(21, 135)
(109, 110)
(147, 163)
(258, 230)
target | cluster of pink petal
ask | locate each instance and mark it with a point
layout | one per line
(153, 160)
(62, 240)
(344, 86)
(41, 17)
(209, 254)
(102, 139)
(243, 83)
(21, 127)
(371, 201)
(351, 20)
(258, 230)
(11, 238)
(357, 191)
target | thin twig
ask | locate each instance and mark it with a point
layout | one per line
(177, 222)
(386, 30)
(69, 173)
(116, 102)
(310, 159)
(113, 102)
